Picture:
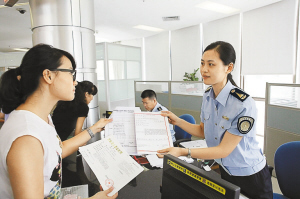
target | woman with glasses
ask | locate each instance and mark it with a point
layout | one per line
(68, 118)
(30, 149)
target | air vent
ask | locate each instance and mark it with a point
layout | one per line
(172, 18)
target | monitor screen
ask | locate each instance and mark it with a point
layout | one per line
(184, 180)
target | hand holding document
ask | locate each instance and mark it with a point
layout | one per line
(152, 132)
(110, 163)
(123, 129)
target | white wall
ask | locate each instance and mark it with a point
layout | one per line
(185, 51)
(157, 57)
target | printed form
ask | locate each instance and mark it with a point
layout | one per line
(110, 163)
(152, 132)
(123, 129)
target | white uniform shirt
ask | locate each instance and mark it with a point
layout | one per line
(22, 123)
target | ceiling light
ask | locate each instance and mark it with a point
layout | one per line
(149, 28)
(212, 6)
(21, 49)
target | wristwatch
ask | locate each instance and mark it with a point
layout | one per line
(189, 153)
(90, 132)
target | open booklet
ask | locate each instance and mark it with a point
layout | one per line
(110, 163)
(139, 132)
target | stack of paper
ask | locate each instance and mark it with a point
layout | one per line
(110, 163)
(139, 132)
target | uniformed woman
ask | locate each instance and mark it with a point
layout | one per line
(228, 124)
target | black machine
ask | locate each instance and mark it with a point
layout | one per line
(184, 180)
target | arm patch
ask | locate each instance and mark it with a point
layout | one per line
(239, 94)
(245, 124)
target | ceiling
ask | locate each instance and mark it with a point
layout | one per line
(115, 19)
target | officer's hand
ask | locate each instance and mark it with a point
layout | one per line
(175, 151)
(173, 119)
(103, 194)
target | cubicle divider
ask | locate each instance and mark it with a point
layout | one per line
(282, 117)
(180, 97)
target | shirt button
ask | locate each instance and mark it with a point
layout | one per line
(216, 124)
(222, 127)
(216, 108)
(216, 138)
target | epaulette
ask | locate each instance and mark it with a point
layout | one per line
(208, 89)
(159, 108)
(239, 94)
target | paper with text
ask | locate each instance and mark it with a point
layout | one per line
(111, 163)
(194, 144)
(75, 192)
(152, 132)
(123, 129)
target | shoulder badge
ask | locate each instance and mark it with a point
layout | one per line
(239, 94)
(245, 124)
(159, 108)
(208, 89)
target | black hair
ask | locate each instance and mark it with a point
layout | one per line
(81, 89)
(16, 85)
(226, 53)
(148, 93)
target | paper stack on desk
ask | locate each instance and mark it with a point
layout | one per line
(139, 132)
(110, 163)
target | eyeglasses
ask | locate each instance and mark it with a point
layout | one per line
(73, 72)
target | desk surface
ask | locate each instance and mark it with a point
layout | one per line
(146, 185)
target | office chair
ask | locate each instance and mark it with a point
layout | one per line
(181, 135)
(287, 164)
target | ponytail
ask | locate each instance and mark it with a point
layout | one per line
(229, 78)
(16, 85)
(10, 90)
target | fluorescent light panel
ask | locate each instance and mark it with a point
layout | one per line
(21, 49)
(149, 28)
(212, 6)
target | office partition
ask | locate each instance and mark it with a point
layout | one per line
(282, 117)
(180, 97)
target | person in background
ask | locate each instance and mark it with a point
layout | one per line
(30, 149)
(228, 124)
(68, 118)
(151, 104)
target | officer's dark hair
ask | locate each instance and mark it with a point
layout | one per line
(226, 53)
(16, 85)
(81, 89)
(148, 93)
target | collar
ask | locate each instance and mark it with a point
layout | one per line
(155, 108)
(223, 95)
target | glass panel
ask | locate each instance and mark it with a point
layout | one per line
(133, 70)
(188, 88)
(158, 87)
(121, 89)
(285, 96)
(100, 70)
(255, 85)
(260, 126)
(99, 51)
(116, 70)
(101, 90)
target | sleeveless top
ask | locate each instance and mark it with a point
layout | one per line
(22, 123)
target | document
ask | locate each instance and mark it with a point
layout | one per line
(123, 128)
(152, 132)
(75, 192)
(194, 144)
(111, 163)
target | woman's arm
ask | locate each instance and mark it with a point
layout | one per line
(193, 129)
(79, 124)
(72, 145)
(227, 145)
(26, 167)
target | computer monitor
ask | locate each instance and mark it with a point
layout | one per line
(183, 180)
